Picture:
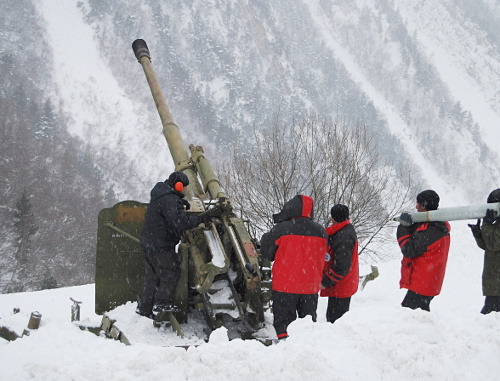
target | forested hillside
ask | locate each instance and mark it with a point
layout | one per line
(79, 129)
(51, 188)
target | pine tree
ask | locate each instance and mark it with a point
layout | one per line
(25, 227)
(48, 281)
(45, 128)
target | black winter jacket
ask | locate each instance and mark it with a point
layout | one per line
(166, 219)
(489, 241)
(341, 273)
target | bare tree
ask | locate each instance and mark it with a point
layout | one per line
(331, 162)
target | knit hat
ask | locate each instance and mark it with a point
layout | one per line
(177, 177)
(494, 196)
(340, 212)
(428, 199)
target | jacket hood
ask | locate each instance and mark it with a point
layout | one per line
(162, 189)
(299, 206)
(444, 226)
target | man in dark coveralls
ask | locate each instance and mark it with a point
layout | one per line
(488, 238)
(166, 220)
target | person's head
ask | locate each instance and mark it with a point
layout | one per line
(299, 206)
(494, 196)
(339, 213)
(427, 200)
(178, 180)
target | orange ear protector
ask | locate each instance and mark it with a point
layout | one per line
(179, 186)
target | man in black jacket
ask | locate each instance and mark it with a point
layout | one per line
(341, 273)
(165, 222)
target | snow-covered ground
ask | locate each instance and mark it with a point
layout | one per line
(376, 340)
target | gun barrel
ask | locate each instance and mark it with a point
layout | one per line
(208, 177)
(170, 129)
(453, 214)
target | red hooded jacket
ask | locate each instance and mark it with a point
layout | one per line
(297, 245)
(425, 249)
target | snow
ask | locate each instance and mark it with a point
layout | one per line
(85, 84)
(397, 126)
(377, 339)
(459, 42)
(102, 114)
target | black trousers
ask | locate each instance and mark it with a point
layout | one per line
(491, 304)
(336, 308)
(413, 300)
(286, 308)
(161, 275)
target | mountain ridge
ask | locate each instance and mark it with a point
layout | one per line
(423, 78)
(202, 64)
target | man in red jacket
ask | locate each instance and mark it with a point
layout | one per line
(341, 272)
(425, 249)
(297, 245)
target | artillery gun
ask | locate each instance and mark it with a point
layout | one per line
(222, 273)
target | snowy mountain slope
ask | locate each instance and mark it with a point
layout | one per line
(395, 123)
(397, 72)
(101, 112)
(424, 80)
(466, 61)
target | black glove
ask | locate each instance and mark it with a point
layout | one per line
(476, 229)
(405, 219)
(205, 218)
(327, 282)
(186, 203)
(490, 217)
